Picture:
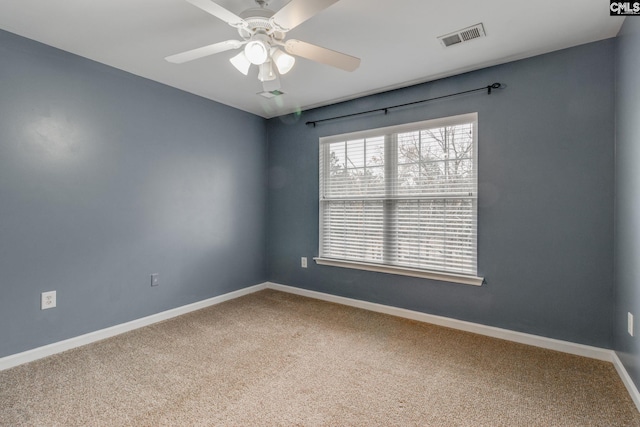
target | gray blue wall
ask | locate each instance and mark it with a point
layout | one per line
(627, 220)
(546, 170)
(105, 178)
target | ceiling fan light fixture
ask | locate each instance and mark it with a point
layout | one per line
(284, 62)
(256, 52)
(241, 62)
(263, 34)
(266, 73)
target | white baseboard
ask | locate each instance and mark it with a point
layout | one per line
(505, 334)
(60, 346)
(626, 380)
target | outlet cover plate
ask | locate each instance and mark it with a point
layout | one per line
(155, 279)
(630, 323)
(303, 262)
(48, 300)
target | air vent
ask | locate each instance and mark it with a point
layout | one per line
(271, 94)
(462, 36)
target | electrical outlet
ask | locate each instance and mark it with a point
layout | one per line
(630, 323)
(155, 279)
(48, 300)
(303, 262)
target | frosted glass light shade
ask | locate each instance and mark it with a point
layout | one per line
(256, 52)
(241, 62)
(266, 72)
(284, 62)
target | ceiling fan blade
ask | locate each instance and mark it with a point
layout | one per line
(201, 52)
(322, 55)
(297, 11)
(219, 12)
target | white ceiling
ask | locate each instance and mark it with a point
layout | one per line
(395, 39)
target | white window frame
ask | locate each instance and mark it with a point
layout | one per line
(394, 269)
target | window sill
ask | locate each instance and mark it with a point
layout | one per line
(403, 271)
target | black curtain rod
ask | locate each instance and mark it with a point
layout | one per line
(386, 110)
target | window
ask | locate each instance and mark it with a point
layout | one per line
(402, 199)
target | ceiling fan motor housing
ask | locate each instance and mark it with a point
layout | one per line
(258, 22)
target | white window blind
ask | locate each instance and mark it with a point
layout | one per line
(402, 196)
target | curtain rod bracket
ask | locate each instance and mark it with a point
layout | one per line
(493, 86)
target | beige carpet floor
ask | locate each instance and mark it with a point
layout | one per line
(276, 359)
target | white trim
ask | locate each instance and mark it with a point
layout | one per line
(626, 380)
(490, 331)
(60, 346)
(403, 271)
(505, 334)
(386, 192)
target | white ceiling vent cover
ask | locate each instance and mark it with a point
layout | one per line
(271, 93)
(464, 35)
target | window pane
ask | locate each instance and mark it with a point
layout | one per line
(444, 162)
(353, 230)
(434, 144)
(409, 177)
(375, 151)
(355, 154)
(408, 147)
(348, 176)
(337, 161)
(436, 235)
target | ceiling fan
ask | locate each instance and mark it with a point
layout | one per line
(263, 33)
